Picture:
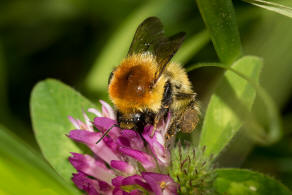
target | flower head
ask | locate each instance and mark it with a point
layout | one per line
(124, 162)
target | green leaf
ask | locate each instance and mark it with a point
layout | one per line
(277, 70)
(245, 182)
(219, 17)
(283, 7)
(232, 95)
(271, 112)
(25, 172)
(51, 104)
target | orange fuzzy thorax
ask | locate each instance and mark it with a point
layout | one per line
(130, 88)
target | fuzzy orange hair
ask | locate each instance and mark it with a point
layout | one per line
(130, 88)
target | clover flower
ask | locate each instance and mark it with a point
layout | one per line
(123, 162)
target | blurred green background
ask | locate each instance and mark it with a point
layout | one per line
(76, 41)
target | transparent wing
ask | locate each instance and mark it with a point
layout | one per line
(150, 37)
(165, 50)
(148, 34)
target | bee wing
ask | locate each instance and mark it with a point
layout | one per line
(165, 50)
(150, 37)
(148, 34)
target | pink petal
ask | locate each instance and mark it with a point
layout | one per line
(91, 186)
(124, 141)
(123, 166)
(85, 184)
(107, 110)
(145, 159)
(161, 184)
(92, 167)
(88, 122)
(113, 145)
(132, 180)
(134, 138)
(117, 181)
(81, 125)
(74, 122)
(103, 124)
(165, 125)
(90, 139)
(136, 180)
(136, 192)
(104, 187)
(118, 191)
(156, 144)
(95, 111)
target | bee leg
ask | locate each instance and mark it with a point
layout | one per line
(160, 115)
(190, 117)
(174, 126)
(187, 118)
(166, 102)
(185, 96)
(154, 128)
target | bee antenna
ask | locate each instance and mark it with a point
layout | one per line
(107, 132)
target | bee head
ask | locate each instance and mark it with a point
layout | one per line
(131, 121)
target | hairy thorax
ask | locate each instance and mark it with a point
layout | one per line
(131, 87)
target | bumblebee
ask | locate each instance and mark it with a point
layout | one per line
(146, 85)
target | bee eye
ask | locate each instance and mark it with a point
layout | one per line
(138, 117)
